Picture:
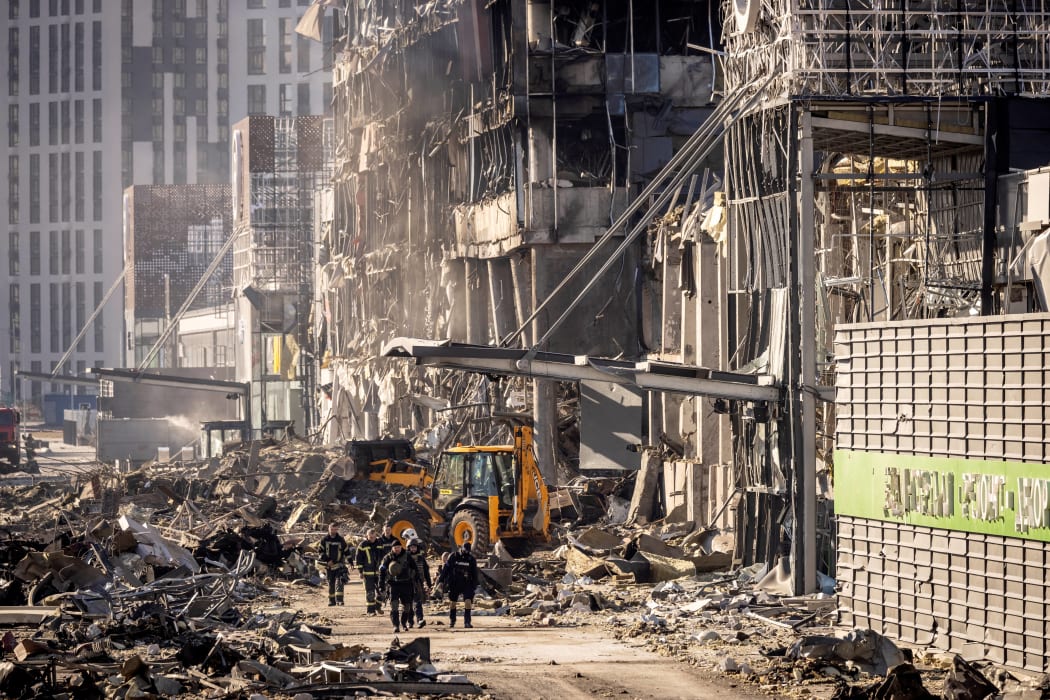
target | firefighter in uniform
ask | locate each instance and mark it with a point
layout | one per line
(398, 570)
(367, 560)
(459, 576)
(387, 539)
(333, 556)
(422, 582)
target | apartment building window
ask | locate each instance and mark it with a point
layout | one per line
(34, 124)
(200, 107)
(256, 99)
(304, 98)
(67, 55)
(157, 78)
(34, 253)
(302, 53)
(78, 121)
(96, 249)
(158, 55)
(12, 125)
(66, 120)
(224, 81)
(55, 317)
(14, 255)
(78, 186)
(12, 9)
(96, 55)
(52, 253)
(180, 107)
(100, 338)
(224, 110)
(178, 29)
(200, 28)
(34, 8)
(256, 4)
(284, 98)
(12, 189)
(96, 192)
(96, 121)
(67, 253)
(52, 123)
(34, 188)
(67, 194)
(256, 47)
(284, 28)
(34, 317)
(34, 60)
(16, 320)
(67, 314)
(284, 3)
(200, 56)
(79, 5)
(78, 251)
(12, 61)
(200, 80)
(78, 51)
(52, 191)
(81, 303)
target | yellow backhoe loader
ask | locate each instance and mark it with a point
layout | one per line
(484, 493)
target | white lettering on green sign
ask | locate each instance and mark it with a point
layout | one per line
(919, 491)
(982, 497)
(1033, 504)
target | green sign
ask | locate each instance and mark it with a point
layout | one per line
(993, 498)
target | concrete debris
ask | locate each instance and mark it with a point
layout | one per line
(150, 583)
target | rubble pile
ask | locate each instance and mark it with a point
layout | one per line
(174, 580)
(150, 583)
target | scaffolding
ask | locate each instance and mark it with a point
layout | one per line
(879, 47)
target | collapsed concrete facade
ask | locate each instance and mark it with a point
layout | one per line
(480, 152)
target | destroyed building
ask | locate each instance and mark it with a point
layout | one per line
(480, 153)
(280, 164)
(830, 304)
(172, 234)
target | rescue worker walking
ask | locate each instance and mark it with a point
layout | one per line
(398, 570)
(460, 577)
(334, 557)
(367, 560)
(385, 541)
(422, 581)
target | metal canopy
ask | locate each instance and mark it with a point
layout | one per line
(650, 375)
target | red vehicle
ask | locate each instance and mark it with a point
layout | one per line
(10, 439)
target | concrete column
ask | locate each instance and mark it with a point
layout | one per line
(501, 297)
(521, 280)
(544, 433)
(477, 297)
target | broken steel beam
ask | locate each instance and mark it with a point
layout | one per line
(657, 376)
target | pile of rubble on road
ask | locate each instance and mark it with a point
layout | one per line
(159, 583)
(170, 580)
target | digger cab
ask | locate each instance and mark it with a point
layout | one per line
(475, 474)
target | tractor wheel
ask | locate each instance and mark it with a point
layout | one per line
(406, 519)
(470, 524)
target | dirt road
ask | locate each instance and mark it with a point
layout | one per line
(512, 660)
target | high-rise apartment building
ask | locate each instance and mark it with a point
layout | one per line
(104, 95)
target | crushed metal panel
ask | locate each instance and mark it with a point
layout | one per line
(607, 413)
(633, 73)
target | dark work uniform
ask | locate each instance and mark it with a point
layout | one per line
(333, 556)
(399, 572)
(422, 583)
(367, 560)
(385, 543)
(459, 576)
